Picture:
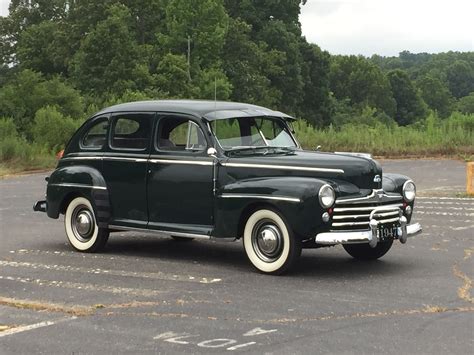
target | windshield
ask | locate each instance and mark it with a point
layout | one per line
(253, 132)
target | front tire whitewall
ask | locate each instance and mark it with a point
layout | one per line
(93, 239)
(269, 243)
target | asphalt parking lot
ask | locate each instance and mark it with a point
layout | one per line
(146, 294)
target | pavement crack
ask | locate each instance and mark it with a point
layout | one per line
(464, 292)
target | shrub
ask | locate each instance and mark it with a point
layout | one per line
(51, 128)
(7, 128)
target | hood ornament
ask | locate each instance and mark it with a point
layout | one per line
(377, 178)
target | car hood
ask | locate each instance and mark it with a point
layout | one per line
(339, 169)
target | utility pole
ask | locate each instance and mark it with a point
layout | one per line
(189, 58)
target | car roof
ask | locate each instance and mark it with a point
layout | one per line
(210, 110)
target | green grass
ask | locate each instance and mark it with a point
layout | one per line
(450, 137)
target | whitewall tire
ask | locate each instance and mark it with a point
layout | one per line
(82, 230)
(269, 243)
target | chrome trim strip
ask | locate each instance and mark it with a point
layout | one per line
(371, 197)
(263, 197)
(368, 208)
(280, 167)
(80, 185)
(155, 231)
(355, 216)
(343, 224)
(137, 160)
(357, 237)
(184, 162)
(88, 157)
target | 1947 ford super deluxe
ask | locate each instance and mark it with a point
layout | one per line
(205, 169)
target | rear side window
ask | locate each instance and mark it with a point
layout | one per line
(96, 135)
(131, 131)
(180, 134)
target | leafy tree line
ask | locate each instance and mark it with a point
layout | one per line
(69, 58)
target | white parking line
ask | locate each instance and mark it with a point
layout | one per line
(444, 203)
(444, 198)
(149, 275)
(447, 208)
(445, 213)
(26, 328)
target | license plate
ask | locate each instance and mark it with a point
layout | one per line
(388, 232)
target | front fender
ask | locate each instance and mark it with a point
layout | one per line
(68, 182)
(393, 182)
(296, 198)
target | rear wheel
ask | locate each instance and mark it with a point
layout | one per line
(269, 243)
(82, 230)
(366, 252)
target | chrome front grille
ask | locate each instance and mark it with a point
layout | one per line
(355, 214)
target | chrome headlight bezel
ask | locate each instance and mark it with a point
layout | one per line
(327, 196)
(409, 191)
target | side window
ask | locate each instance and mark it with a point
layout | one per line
(180, 134)
(131, 131)
(95, 136)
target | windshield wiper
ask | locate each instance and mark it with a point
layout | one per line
(266, 149)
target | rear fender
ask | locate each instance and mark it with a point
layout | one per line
(68, 182)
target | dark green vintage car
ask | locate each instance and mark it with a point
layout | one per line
(205, 169)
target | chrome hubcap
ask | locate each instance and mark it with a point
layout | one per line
(267, 240)
(82, 223)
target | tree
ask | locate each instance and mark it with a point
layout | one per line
(28, 91)
(247, 64)
(362, 82)
(202, 26)
(316, 105)
(109, 57)
(436, 95)
(213, 83)
(466, 104)
(410, 106)
(172, 76)
(460, 77)
(259, 13)
(289, 82)
(44, 48)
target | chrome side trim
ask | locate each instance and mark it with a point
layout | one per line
(280, 167)
(136, 160)
(82, 158)
(263, 197)
(80, 185)
(369, 208)
(372, 197)
(155, 231)
(184, 162)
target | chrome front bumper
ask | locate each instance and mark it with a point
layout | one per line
(368, 236)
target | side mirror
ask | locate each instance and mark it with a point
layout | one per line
(212, 152)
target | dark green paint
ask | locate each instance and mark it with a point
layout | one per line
(180, 197)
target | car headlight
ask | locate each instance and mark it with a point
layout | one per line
(409, 190)
(327, 196)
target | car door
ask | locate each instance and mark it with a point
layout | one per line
(125, 167)
(180, 181)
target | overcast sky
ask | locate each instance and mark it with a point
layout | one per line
(384, 27)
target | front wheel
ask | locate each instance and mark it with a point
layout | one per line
(366, 252)
(82, 230)
(269, 243)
